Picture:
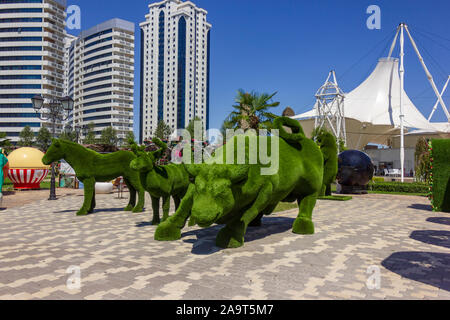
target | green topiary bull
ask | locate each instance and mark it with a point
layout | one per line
(240, 195)
(160, 181)
(91, 167)
(327, 144)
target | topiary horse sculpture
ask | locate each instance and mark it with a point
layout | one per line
(91, 167)
(160, 181)
(327, 144)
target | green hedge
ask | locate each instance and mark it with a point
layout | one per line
(440, 166)
(399, 187)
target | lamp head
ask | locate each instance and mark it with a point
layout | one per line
(67, 103)
(38, 102)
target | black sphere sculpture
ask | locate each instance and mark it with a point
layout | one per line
(355, 172)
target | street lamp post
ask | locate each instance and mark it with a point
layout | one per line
(53, 111)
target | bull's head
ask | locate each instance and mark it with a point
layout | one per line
(213, 197)
(55, 153)
(145, 162)
(327, 144)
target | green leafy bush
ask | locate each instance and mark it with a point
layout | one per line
(399, 187)
(440, 176)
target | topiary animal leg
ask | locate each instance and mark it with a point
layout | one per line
(89, 189)
(323, 191)
(132, 201)
(166, 208)
(328, 190)
(304, 224)
(93, 203)
(268, 211)
(170, 229)
(257, 222)
(177, 201)
(232, 236)
(155, 206)
(141, 200)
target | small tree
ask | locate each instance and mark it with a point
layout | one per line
(43, 139)
(163, 131)
(90, 136)
(191, 127)
(130, 139)
(109, 137)
(69, 136)
(5, 143)
(26, 137)
(130, 136)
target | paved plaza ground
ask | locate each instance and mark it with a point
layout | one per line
(398, 236)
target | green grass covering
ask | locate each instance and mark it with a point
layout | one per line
(286, 207)
(336, 198)
(440, 186)
(398, 187)
(9, 186)
(238, 196)
(399, 193)
(92, 167)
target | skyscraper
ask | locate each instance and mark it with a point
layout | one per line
(175, 54)
(101, 77)
(31, 60)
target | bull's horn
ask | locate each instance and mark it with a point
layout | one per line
(296, 133)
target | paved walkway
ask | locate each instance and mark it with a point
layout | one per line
(398, 238)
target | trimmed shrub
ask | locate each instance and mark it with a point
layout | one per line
(440, 175)
(399, 187)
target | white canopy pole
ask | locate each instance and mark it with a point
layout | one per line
(429, 76)
(402, 85)
(394, 43)
(437, 102)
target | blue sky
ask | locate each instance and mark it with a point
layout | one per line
(289, 46)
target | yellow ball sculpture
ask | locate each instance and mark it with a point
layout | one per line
(26, 170)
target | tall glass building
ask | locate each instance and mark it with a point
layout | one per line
(31, 60)
(101, 77)
(175, 54)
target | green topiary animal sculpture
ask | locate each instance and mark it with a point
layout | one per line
(160, 181)
(91, 167)
(240, 195)
(327, 144)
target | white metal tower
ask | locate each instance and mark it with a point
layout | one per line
(330, 108)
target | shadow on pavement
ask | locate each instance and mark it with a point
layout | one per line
(429, 268)
(423, 207)
(436, 238)
(96, 211)
(440, 220)
(144, 224)
(205, 244)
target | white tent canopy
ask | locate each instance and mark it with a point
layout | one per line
(372, 110)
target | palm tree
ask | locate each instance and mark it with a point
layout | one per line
(252, 111)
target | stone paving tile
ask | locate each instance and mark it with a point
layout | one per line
(119, 260)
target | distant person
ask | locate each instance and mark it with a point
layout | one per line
(3, 173)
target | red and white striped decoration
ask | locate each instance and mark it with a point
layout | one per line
(27, 178)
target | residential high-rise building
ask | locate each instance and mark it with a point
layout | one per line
(68, 73)
(31, 60)
(68, 67)
(101, 77)
(175, 54)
